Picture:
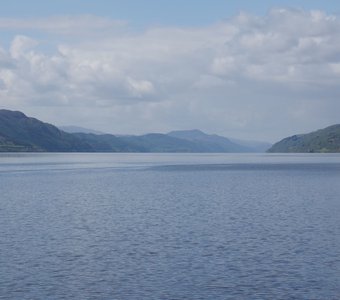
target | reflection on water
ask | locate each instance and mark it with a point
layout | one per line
(64, 161)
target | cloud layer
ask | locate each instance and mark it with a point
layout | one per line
(248, 76)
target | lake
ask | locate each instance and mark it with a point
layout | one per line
(170, 226)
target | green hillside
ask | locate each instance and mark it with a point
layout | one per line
(325, 140)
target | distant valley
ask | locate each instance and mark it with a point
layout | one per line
(19, 133)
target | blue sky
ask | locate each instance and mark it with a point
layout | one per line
(244, 69)
(164, 12)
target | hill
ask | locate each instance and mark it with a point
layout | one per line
(210, 142)
(158, 142)
(325, 140)
(77, 129)
(21, 133)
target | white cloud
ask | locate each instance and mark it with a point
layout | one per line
(20, 45)
(139, 88)
(234, 77)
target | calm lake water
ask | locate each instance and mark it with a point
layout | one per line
(169, 226)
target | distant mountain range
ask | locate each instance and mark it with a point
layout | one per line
(21, 133)
(325, 140)
(77, 129)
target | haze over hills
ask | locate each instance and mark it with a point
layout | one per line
(78, 129)
(323, 140)
(211, 141)
(191, 141)
(257, 146)
(21, 133)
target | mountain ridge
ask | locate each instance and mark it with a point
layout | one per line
(20, 133)
(219, 142)
(78, 129)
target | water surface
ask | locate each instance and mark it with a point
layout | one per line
(169, 226)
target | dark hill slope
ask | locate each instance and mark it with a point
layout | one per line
(323, 140)
(21, 133)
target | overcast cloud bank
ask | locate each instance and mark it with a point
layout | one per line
(247, 77)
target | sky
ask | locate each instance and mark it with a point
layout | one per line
(258, 70)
